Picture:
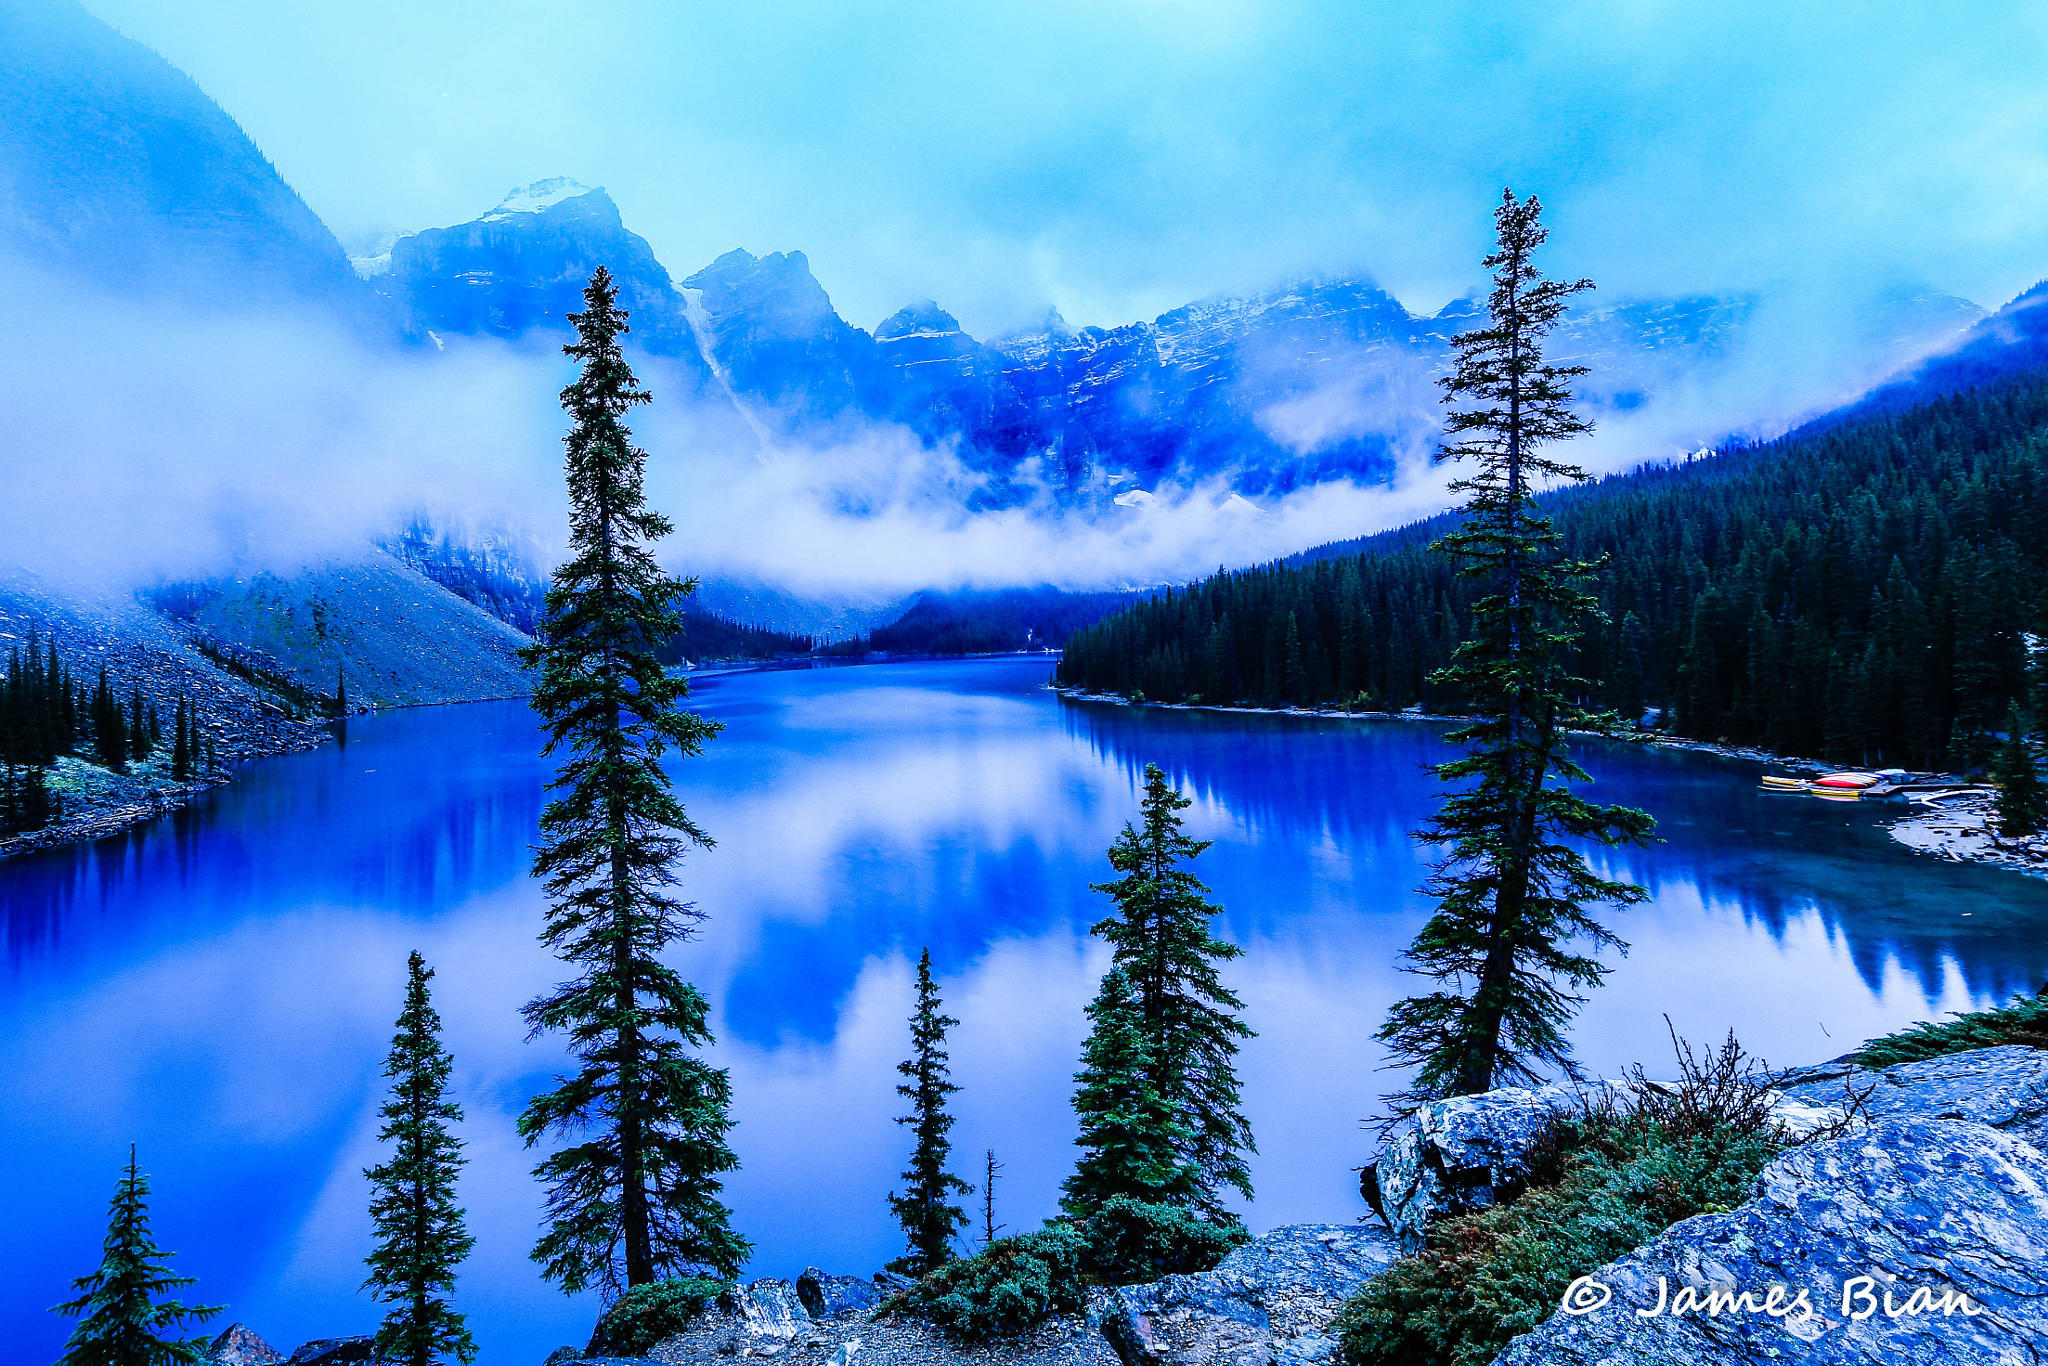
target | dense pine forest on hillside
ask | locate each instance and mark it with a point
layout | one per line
(1864, 592)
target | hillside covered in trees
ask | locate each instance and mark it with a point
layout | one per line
(1863, 590)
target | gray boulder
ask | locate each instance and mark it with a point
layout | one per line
(237, 1346)
(1462, 1154)
(832, 1297)
(1271, 1301)
(358, 1351)
(764, 1318)
(1465, 1153)
(768, 1308)
(1899, 1206)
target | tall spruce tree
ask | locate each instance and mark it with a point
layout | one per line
(2021, 806)
(635, 1196)
(124, 1319)
(138, 725)
(1512, 938)
(109, 731)
(926, 1206)
(1161, 940)
(420, 1233)
(1133, 1140)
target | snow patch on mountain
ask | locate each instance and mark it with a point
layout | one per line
(541, 194)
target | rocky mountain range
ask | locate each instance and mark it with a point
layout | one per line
(116, 167)
(1314, 380)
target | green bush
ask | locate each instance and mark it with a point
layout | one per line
(1130, 1241)
(1610, 1184)
(1014, 1284)
(647, 1314)
(2024, 1020)
(1007, 1288)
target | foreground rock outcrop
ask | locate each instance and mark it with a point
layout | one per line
(1939, 1187)
(1911, 1240)
(1466, 1153)
(1273, 1300)
(1909, 1229)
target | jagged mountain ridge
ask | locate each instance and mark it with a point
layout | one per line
(115, 164)
(1320, 379)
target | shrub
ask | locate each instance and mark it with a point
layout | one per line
(1014, 1284)
(1129, 1241)
(1604, 1182)
(2023, 1020)
(649, 1314)
(1483, 1279)
(1007, 1288)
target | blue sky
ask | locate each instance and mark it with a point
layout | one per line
(1117, 157)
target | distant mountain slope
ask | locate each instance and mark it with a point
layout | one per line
(987, 622)
(399, 637)
(2014, 340)
(116, 166)
(146, 650)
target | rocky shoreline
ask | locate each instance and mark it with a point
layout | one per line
(1928, 1176)
(1955, 826)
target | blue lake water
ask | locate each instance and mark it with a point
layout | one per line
(219, 986)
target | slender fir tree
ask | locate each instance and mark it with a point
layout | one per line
(109, 731)
(925, 1207)
(38, 805)
(1133, 1139)
(421, 1237)
(634, 1197)
(1162, 942)
(181, 742)
(340, 692)
(2022, 801)
(124, 1319)
(138, 725)
(1512, 897)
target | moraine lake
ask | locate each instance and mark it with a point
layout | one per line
(219, 986)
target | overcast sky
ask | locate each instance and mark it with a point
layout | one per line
(1118, 157)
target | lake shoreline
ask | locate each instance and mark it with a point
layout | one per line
(1956, 827)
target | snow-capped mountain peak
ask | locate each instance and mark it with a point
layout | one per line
(541, 194)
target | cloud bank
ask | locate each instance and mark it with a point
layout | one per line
(147, 444)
